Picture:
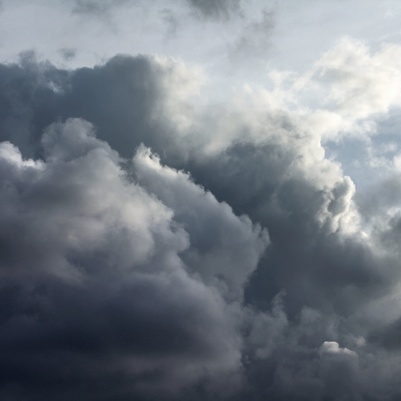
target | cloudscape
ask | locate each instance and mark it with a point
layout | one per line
(200, 200)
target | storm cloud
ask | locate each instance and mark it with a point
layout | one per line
(97, 271)
(168, 236)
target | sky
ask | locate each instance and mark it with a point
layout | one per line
(200, 200)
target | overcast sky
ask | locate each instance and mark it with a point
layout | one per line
(200, 200)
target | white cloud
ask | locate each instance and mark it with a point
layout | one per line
(333, 348)
(362, 83)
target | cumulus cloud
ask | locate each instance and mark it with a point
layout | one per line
(362, 83)
(156, 245)
(223, 247)
(93, 270)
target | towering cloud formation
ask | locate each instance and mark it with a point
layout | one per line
(104, 280)
(156, 244)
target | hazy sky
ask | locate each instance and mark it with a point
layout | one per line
(200, 200)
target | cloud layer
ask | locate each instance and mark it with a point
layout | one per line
(160, 240)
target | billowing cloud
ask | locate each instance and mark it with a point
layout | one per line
(223, 247)
(169, 235)
(102, 280)
(170, 277)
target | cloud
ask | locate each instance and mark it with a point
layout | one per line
(332, 348)
(254, 41)
(158, 245)
(95, 283)
(146, 95)
(371, 90)
(68, 53)
(223, 247)
(96, 9)
(216, 9)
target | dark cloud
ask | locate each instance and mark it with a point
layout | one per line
(93, 284)
(216, 9)
(234, 265)
(126, 90)
(68, 53)
(302, 247)
(388, 336)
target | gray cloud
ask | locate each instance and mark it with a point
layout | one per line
(93, 281)
(216, 9)
(255, 40)
(96, 8)
(68, 53)
(303, 248)
(234, 265)
(131, 89)
(231, 249)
